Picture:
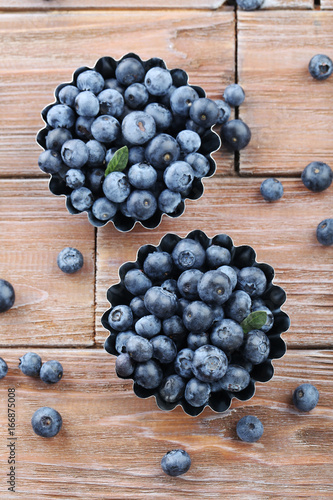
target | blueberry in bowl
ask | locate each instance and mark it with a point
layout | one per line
(128, 141)
(195, 321)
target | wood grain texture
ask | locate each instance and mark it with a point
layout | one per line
(111, 442)
(51, 307)
(287, 4)
(282, 233)
(55, 44)
(107, 4)
(326, 4)
(290, 114)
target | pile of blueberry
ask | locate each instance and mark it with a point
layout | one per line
(130, 140)
(181, 322)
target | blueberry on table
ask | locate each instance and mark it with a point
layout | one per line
(234, 95)
(30, 364)
(68, 94)
(204, 112)
(148, 374)
(176, 462)
(249, 4)
(74, 153)
(306, 397)
(7, 295)
(249, 429)
(70, 260)
(235, 135)
(46, 422)
(124, 365)
(148, 326)
(257, 346)
(197, 392)
(116, 187)
(86, 104)
(90, 80)
(121, 318)
(238, 306)
(209, 363)
(129, 71)
(138, 127)
(158, 81)
(271, 189)
(3, 368)
(317, 176)
(141, 204)
(51, 372)
(227, 334)
(320, 67)
(325, 232)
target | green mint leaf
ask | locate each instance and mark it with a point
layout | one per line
(118, 161)
(254, 321)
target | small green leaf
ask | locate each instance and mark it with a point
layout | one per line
(254, 321)
(118, 161)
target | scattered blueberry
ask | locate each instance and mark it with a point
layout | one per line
(3, 368)
(234, 95)
(249, 429)
(7, 295)
(320, 67)
(317, 176)
(30, 364)
(176, 462)
(70, 260)
(51, 372)
(46, 422)
(306, 397)
(271, 189)
(325, 232)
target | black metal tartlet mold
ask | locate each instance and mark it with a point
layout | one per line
(210, 142)
(274, 297)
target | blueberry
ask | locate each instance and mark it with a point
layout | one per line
(74, 153)
(74, 178)
(94, 180)
(149, 374)
(138, 127)
(164, 349)
(198, 317)
(161, 303)
(218, 312)
(70, 260)
(183, 363)
(136, 154)
(196, 340)
(136, 282)
(199, 163)
(191, 125)
(30, 364)
(129, 71)
(234, 95)
(136, 95)
(204, 112)
(189, 141)
(141, 204)
(257, 304)
(121, 318)
(90, 80)
(249, 429)
(209, 363)
(270, 318)
(176, 462)
(238, 306)
(317, 176)
(122, 339)
(96, 152)
(103, 209)
(172, 388)
(82, 199)
(169, 201)
(139, 348)
(148, 326)
(83, 127)
(179, 77)
(197, 392)
(67, 95)
(158, 265)
(231, 273)
(158, 81)
(60, 115)
(50, 161)
(86, 104)
(111, 102)
(217, 256)
(224, 112)
(256, 347)
(235, 379)
(161, 114)
(214, 287)
(51, 372)
(162, 151)
(320, 67)
(105, 128)
(112, 83)
(46, 422)
(235, 135)
(227, 334)
(165, 99)
(181, 100)
(252, 280)
(116, 187)
(3, 368)
(306, 397)
(325, 232)
(188, 283)
(138, 307)
(56, 137)
(124, 365)
(271, 189)
(142, 175)
(170, 285)
(188, 254)
(174, 327)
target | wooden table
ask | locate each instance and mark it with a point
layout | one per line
(112, 442)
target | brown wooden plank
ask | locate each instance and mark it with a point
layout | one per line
(106, 4)
(201, 42)
(282, 233)
(287, 4)
(112, 442)
(290, 114)
(51, 307)
(326, 4)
